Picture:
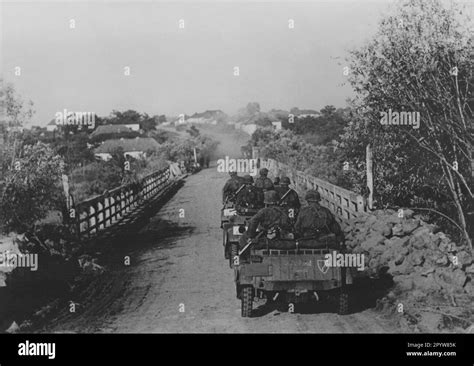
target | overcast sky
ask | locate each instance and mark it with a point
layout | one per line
(186, 70)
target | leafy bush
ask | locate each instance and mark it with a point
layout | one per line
(420, 60)
(30, 185)
(184, 149)
(320, 161)
(324, 128)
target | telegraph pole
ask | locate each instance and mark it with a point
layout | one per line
(370, 177)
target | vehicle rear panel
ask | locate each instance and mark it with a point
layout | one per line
(291, 269)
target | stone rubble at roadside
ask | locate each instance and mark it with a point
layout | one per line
(427, 267)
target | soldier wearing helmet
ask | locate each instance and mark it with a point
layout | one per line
(263, 182)
(249, 196)
(315, 219)
(276, 182)
(272, 218)
(288, 197)
(231, 186)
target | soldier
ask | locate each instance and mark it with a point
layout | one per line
(315, 219)
(272, 218)
(249, 196)
(231, 186)
(288, 197)
(263, 182)
(276, 183)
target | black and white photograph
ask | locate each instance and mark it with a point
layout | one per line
(237, 167)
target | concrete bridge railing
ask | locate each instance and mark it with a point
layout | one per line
(342, 202)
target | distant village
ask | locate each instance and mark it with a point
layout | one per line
(132, 137)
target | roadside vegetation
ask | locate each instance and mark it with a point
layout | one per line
(33, 161)
(421, 60)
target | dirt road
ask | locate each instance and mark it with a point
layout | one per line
(179, 282)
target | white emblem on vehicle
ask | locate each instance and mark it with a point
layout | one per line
(322, 265)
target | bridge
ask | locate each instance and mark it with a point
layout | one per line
(343, 203)
(160, 242)
(118, 210)
(121, 209)
(178, 280)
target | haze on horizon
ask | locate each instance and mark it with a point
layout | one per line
(175, 70)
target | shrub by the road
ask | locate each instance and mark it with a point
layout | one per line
(30, 186)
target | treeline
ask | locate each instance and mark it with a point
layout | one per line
(146, 122)
(33, 162)
(323, 161)
(316, 127)
(421, 60)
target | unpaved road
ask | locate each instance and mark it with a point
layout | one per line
(179, 282)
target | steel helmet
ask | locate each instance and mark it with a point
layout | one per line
(285, 180)
(312, 196)
(247, 179)
(264, 172)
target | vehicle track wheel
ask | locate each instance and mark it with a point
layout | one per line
(246, 297)
(343, 302)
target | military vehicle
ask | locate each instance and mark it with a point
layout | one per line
(234, 222)
(292, 270)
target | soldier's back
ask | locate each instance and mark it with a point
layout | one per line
(232, 185)
(264, 182)
(291, 199)
(270, 216)
(305, 218)
(280, 190)
(250, 197)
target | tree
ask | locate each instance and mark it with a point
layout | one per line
(324, 128)
(295, 111)
(328, 111)
(99, 177)
(251, 111)
(422, 61)
(146, 122)
(263, 121)
(14, 110)
(286, 147)
(252, 108)
(193, 131)
(75, 151)
(30, 174)
(30, 187)
(127, 117)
